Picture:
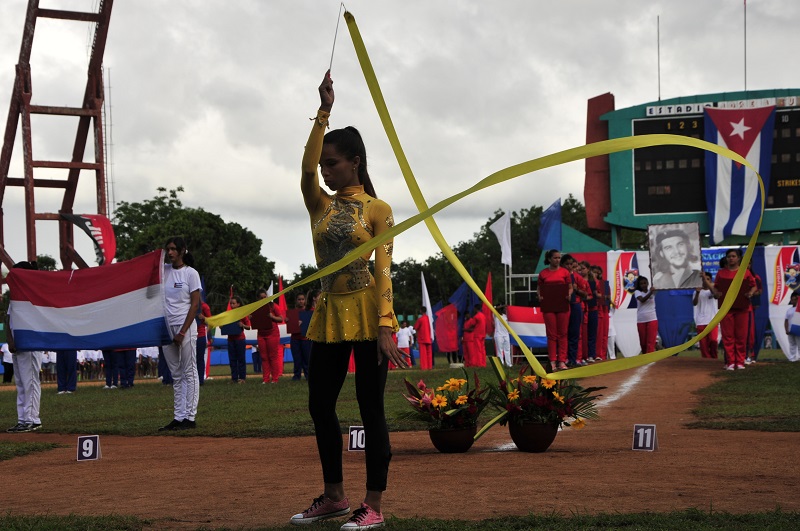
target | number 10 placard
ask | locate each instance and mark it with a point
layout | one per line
(644, 437)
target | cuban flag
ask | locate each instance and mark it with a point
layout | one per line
(528, 324)
(733, 197)
(118, 305)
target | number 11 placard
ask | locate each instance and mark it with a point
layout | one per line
(644, 437)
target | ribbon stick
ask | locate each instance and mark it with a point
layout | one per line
(338, 18)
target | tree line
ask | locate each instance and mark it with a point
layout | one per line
(228, 254)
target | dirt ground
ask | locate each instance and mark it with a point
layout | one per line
(186, 483)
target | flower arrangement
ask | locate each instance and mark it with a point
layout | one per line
(452, 405)
(529, 398)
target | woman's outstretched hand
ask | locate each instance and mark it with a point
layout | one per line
(387, 348)
(326, 93)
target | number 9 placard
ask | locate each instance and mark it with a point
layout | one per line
(89, 448)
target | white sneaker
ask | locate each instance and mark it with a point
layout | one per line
(730, 367)
(748, 361)
(740, 367)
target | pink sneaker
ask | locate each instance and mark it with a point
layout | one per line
(363, 518)
(321, 508)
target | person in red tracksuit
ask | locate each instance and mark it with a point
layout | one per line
(556, 324)
(468, 342)
(269, 340)
(423, 329)
(734, 324)
(479, 336)
(755, 302)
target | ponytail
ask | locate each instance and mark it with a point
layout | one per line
(349, 144)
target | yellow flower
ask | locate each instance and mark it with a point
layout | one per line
(453, 384)
(558, 397)
(513, 395)
(578, 424)
(461, 400)
(439, 401)
(529, 379)
(547, 383)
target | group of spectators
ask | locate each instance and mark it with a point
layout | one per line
(576, 306)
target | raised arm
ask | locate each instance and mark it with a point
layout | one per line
(309, 182)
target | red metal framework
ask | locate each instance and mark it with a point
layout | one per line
(89, 117)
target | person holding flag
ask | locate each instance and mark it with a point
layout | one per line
(182, 300)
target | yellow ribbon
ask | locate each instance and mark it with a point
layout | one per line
(426, 214)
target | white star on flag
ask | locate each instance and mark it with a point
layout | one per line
(739, 128)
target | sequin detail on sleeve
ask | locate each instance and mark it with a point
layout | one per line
(387, 295)
(388, 247)
(390, 221)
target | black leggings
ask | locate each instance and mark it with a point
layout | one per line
(326, 374)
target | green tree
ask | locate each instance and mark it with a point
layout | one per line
(225, 254)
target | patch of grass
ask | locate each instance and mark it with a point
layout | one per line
(72, 522)
(764, 397)
(225, 410)
(11, 449)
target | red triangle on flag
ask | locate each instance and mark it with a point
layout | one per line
(739, 128)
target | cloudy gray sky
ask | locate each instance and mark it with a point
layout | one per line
(215, 96)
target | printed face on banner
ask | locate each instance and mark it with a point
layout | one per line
(675, 255)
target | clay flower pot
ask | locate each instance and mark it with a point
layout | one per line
(532, 436)
(453, 440)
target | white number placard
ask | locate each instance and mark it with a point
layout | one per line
(89, 448)
(645, 437)
(356, 442)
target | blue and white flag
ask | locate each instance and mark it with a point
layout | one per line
(732, 194)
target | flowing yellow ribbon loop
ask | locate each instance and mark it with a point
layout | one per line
(426, 214)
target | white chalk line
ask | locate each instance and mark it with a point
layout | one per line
(627, 386)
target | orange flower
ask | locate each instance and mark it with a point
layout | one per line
(558, 397)
(529, 379)
(439, 401)
(578, 424)
(513, 395)
(547, 383)
(461, 400)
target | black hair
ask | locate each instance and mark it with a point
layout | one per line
(262, 290)
(310, 298)
(237, 299)
(567, 258)
(736, 250)
(26, 265)
(424, 309)
(349, 144)
(180, 245)
(549, 254)
(639, 280)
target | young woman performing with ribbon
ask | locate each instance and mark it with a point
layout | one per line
(354, 313)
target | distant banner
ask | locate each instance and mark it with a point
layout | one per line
(100, 231)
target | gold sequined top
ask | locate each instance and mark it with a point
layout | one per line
(353, 304)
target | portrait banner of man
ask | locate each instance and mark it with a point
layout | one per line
(675, 255)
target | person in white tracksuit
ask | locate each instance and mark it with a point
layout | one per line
(27, 365)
